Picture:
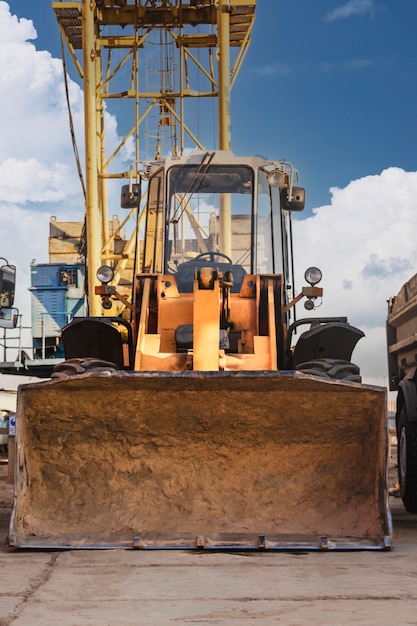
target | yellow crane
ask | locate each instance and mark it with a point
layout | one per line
(107, 40)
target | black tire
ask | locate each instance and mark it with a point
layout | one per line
(407, 460)
(333, 369)
(74, 367)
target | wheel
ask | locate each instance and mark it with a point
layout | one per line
(407, 460)
(211, 256)
(334, 369)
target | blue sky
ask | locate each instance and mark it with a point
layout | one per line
(333, 87)
(330, 86)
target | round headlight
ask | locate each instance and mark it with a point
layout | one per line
(105, 274)
(276, 178)
(106, 304)
(313, 275)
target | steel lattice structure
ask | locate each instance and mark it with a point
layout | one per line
(107, 40)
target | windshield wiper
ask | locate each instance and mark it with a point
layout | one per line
(195, 184)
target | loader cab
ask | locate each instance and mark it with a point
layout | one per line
(225, 215)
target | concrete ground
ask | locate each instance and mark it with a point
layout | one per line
(126, 588)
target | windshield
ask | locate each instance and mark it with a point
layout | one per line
(210, 214)
(270, 235)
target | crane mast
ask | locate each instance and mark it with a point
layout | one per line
(109, 42)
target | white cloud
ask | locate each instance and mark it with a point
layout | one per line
(36, 147)
(31, 180)
(364, 244)
(13, 30)
(353, 7)
(36, 156)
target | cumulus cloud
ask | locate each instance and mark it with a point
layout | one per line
(12, 30)
(36, 144)
(29, 180)
(353, 7)
(36, 158)
(365, 246)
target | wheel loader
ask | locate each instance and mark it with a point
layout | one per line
(198, 412)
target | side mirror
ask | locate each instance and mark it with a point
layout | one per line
(9, 318)
(298, 199)
(7, 285)
(130, 196)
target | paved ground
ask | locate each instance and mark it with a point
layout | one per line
(126, 588)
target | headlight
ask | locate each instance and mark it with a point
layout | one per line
(105, 274)
(313, 275)
(106, 304)
(276, 178)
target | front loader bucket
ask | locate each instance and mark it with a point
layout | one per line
(215, 460)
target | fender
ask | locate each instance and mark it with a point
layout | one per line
(334, 340)
(97, 337)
